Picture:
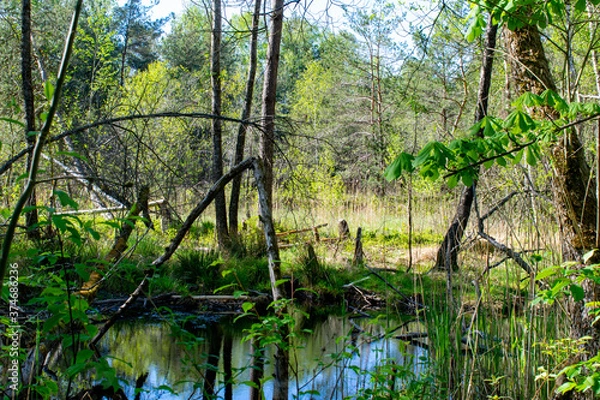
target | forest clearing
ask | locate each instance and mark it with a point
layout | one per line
(306, 200)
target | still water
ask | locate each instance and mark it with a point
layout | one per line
(331, 357)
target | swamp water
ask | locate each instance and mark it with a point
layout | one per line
(331, 358)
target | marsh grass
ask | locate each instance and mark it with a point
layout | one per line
(490, 344)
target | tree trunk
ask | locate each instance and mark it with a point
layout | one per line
(234, 202)
(282, 355)
(215, 338)
(125, 45)
(90, 288)
(575, 205)
(31, 216)
(217, 126)
(267, 138)
(39, 144)
(451, 244)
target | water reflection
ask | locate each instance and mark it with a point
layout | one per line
(331, 360)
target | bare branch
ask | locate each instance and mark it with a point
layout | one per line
(112, 121)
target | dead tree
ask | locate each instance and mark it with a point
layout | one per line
(236, 185)
(90, 288)
(343, 230)
(358, 249)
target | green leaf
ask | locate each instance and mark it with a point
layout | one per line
(82, 271)
(566, 387)
(530, 157)
(517, 157)
(467, 179)
(281, 282)
(489, 129)
(580, 5)
(93, 233)
(247, 306)
(404, 162)
(12, 121)
(547, 272)
(73, 154)
(48, 90)
(22, 176)
(528, 99)
(452, 181)
(577, 292)
(476, 25)
(60, 222)
(84, 355)
(112, 224)
(65, 199)
(526, 123)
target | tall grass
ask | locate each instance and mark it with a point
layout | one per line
(487, 344)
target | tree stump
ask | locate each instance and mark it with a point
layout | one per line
(312, 269)
(166, 220)
(358, 249)
(343, 230)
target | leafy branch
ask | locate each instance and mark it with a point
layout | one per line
(493, 140)
(39, 144)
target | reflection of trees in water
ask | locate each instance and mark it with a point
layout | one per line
(174, 357)
(180, 361)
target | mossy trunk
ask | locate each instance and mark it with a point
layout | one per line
(90, 288)
(575, 205)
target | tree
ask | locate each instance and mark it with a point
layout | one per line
(28, 96)
(39, 144)
(217, 130)
(94, 71)
(137, 35)
(269, 96)
(541, 117)
(575, 205)
(246, 113)
(448, 251)
(188, 43)
(374, 29)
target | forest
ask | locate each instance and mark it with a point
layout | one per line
(357, 199)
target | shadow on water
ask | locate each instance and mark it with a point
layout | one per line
(330, 359)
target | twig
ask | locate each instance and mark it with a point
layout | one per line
(499, 204)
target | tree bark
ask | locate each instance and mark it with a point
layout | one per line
(39, 144)
(31, 216)
(267, 138)
(451, 243)
(234, 202)
(217, 126)
(282, 356)
(575, 205)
